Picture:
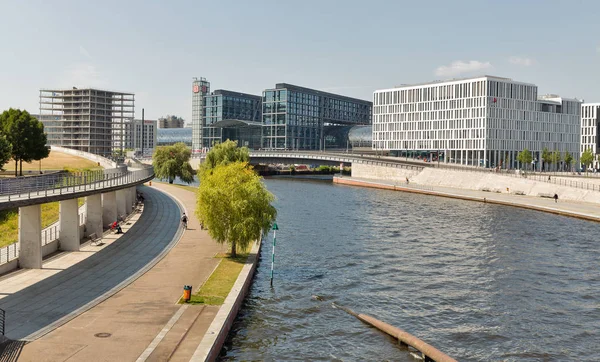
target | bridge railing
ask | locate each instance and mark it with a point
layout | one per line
(71, 182)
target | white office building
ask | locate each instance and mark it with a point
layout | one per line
(590, 123)
(482, 121)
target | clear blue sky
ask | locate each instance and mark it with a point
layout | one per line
(353, 47)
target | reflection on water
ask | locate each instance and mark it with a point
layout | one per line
(481, 282)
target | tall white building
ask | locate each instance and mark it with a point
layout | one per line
(590, 124)
(482, 121)
(136, 136)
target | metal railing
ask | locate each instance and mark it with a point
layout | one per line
(58, 184)
(2, 321)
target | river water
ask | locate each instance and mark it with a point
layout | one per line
(480, 282)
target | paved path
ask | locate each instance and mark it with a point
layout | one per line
(53, 298)
(580, 209)
(134, 317)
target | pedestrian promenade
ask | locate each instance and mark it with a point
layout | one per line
(584, 210)
(142, 321)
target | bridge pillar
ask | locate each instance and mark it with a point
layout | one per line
(121, 202)
(93, 222)
(69, 225)
(109, 208)
(30, 236)
(132, 196)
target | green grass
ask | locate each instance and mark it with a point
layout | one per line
(9, 221)
(219, 284)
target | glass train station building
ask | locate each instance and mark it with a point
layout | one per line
(286, 117)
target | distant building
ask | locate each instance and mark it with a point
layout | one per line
(480, 121)
(170, 122)
(296, 117)
(170, 136)
(142, 141)
(200, 89)
(89, 120)
(590, 125)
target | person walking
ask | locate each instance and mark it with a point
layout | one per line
(184, 220)
(555, 197)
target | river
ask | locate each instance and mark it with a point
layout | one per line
(480, 282)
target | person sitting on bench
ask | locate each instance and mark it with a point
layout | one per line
(115, 226)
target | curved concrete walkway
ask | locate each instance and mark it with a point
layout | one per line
(32, 310)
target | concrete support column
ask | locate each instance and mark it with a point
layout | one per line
(133, 191)
(109, 208)
(69, 225)
(93, 222)
(127, 200)
(30, 236)
(121, 202)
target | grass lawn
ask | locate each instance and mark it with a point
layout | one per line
(219, 284)
(56, 161)
(9, 221)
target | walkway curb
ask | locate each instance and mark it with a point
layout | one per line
(114, 290)
(378, 185)
(214, 338)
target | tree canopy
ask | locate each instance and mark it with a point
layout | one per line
(546, 157)
(224, 153)
(173, 161)
(556, 158)
(587, 158)
(568, 158)
(235, 205)
(524, 157)
(5, 151)
(25, 135)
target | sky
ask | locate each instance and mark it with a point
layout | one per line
(351, 47)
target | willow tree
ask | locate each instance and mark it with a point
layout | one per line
(224, 153)
(173, 161)
(235, 206)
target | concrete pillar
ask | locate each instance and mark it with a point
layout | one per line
(69, 225)
(127, 197)
(93, 222)
(121, 202)
(109, 208)
(133, 192)
(30, 236)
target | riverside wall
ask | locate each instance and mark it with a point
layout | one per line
(475, 180)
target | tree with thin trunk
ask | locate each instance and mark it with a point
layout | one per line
(524, 157)
(173, 161)
(587, 158)
(546, 158)
(568, 159)
(25, 135)
(235, 206)
(556, 158)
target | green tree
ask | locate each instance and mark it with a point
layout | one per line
(235, 205)
(524, 157)
(5, 151)
(546, 158)
(173, 161)
(587, 158)
(26, 136)
(556, 159)
(568, 159)
(224, 153)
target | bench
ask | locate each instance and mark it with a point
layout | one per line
(519, 193)
(549, 196)
(95, 239)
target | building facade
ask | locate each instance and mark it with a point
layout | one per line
(171, 136)
(89, 120)
(170, 122)
(141, 136)
(232, 115)
(294, 117)
(590, 125)
(200, 89)
(483, 121)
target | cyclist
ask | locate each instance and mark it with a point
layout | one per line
(184, 220)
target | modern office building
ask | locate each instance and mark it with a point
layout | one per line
(590, 125)
(170, 122)
(170, 136)
(295, 117)
(89, 120)
(200, 89)
(481, 121)
(232, 115)
(141, 137)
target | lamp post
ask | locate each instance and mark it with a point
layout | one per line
(275, 228)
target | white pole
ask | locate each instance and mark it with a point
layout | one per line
(273, 254)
